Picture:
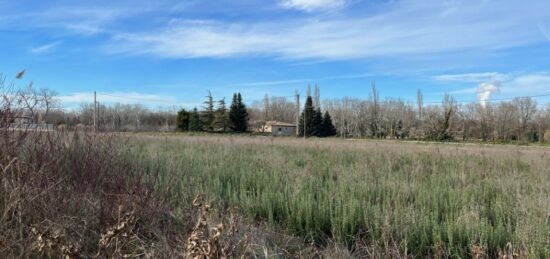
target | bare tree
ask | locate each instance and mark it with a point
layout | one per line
(526, 107)
(49, 102)
(374, 112)
(316, 97)
(266, 108)
(419, 103)
(29, 98)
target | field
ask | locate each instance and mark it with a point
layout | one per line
(370, 198)
(155, 195)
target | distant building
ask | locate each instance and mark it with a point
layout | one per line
(278, 128)
(26, 123)
(547, 135)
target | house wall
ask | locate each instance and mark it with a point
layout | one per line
(283, 130)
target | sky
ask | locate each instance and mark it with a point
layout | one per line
(171, 53)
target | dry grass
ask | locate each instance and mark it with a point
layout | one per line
(372, 198)
(132, 195)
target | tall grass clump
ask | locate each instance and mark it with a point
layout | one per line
(403, 201)
(75, 195)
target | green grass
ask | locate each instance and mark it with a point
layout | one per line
(425, 200)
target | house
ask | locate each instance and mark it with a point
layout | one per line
(547, 135)
(26, 123)
(278, 128)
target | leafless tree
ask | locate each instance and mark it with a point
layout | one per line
(374, 109)
(526, 107)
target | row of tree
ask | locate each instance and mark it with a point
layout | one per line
(215, 119)
(314, 123)
(520, 119)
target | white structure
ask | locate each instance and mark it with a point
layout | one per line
(278, 128)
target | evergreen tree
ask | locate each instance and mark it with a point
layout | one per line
(238, 114)
(182, 120)
(317, 123)
(208, 116)
(222, 118)
(328, 129)
(195, 121)
(234, 113)
(307, 114)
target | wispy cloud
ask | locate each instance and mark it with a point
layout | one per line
(45, 48)
(401, 29)
(543, 30)
(303, 80)
(82, 18)
(471, 77)
(149, 100)
(526, 84)
(312, 5)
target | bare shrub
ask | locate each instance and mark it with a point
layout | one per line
(75, 194)
(215, 242)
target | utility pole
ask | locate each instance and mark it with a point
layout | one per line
(297, 114)
(95, 111)
(305, 109)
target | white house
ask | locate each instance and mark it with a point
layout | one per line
(278, 128)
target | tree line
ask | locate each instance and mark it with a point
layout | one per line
(215, 119)
(519, 119)
(314, 123)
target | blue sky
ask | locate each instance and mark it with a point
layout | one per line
(169, 53)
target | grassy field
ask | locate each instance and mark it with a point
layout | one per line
(374, 198)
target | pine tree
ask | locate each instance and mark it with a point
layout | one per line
(238, 114)
(328, 129)
(307, 114)
(208, 114)
(195, 121)
(182, 120)
(222, 118)
(317, 122)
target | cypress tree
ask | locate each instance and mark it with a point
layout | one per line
(308, 116)
(195, 121)
(182, 120)
(233, 112)
(238, 114)
(317, 123)
(328, 128)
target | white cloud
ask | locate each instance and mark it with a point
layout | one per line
(303, 80)
(149, 100)
(528, 84)
(471, 77)
(81, 18)
(45, 48)
(312, 5)
(400, 30)
(543, 30)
